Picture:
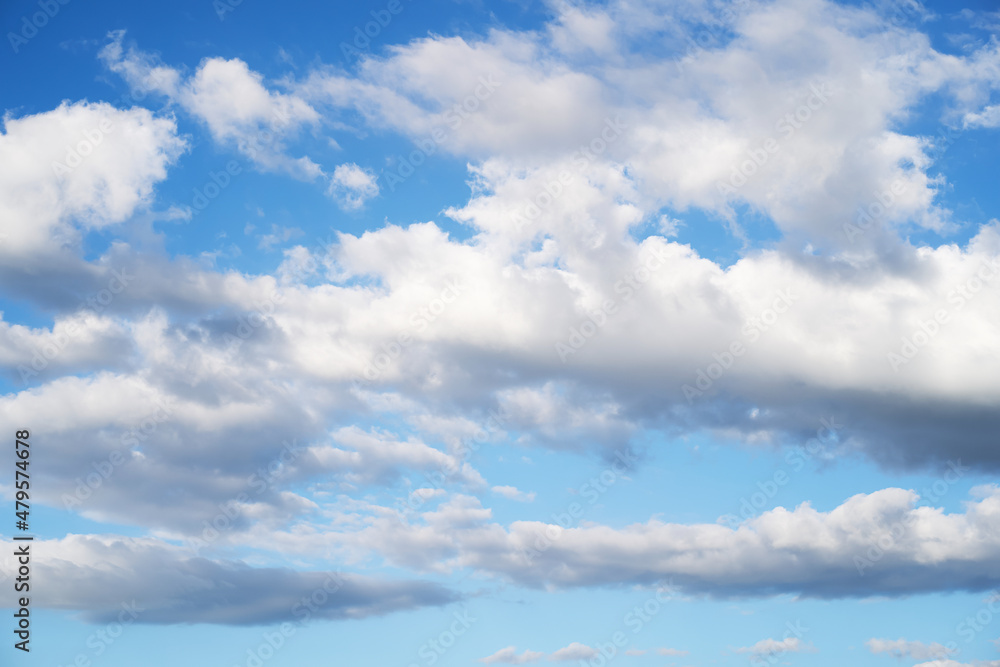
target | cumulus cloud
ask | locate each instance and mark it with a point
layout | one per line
(352, 185)
(560, 311)
(79, 167)
(555, 274)
(855, 550)
(229, 98)
(575, 651)
(167, 585)
(690, 138)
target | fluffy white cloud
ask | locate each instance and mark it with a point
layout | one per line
(554, 274)
(856, 549)
(79, 167)
(558, 312)
(809, 141)
(229, 98)
(575, 651)
(352, 185)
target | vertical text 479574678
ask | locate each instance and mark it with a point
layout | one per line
(22, 583)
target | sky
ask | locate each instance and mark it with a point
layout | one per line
(438, 332)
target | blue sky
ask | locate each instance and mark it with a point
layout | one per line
(636, 333)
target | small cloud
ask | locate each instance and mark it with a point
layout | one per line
(671, 651)
(352, 186)
(575, 651)
(901, 648)
(774, 647)
(173, 213)
(277, 235)
(509, 656)
(669, 227)
(988, 117)
(425, 494)
(513, 493)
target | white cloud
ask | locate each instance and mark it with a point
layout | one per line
(801, 551)
(352, 185)
(79, 167)
(769, 647)
(701, 122)
(901, 648)
(229, 98)
(575, 651)
(513, 493)
(988, 117)
(376, 456)
(461, 327)
(510, 656)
